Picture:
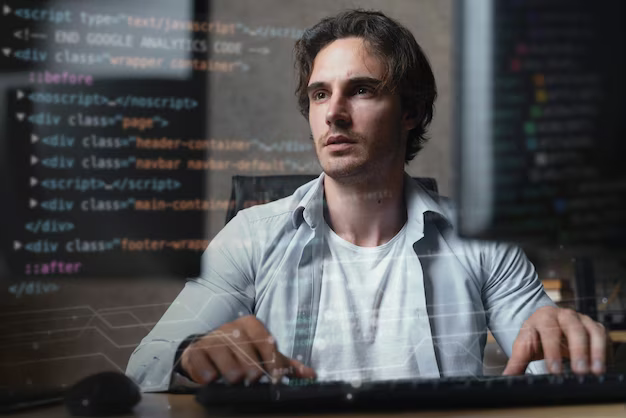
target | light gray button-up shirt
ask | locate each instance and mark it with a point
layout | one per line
(268, 262)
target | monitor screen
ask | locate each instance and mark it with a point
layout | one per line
(100, 147)
(540, 129)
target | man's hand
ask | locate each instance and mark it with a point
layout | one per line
(552, 333)
(242, 350)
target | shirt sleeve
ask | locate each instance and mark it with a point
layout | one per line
(223, 292)
(512, 292)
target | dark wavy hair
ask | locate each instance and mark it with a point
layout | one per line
(408, 72)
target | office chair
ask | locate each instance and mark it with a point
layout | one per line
(253, 190)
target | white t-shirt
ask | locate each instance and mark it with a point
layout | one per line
(366, 312)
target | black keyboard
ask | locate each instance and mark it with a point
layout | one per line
(445, 393)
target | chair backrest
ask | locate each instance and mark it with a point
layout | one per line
(254, 190)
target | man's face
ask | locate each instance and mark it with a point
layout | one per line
(358, 129)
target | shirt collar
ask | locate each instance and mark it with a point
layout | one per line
(310, 207)
(422, 205)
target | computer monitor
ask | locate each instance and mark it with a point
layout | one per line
(540, 125)
(99, 118)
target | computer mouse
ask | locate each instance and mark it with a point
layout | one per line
(106, 393)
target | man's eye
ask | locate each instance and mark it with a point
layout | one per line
(320, 95)
(363, 90)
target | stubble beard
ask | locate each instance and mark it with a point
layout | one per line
(352, 166)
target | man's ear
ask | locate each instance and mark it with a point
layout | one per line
(409, 120)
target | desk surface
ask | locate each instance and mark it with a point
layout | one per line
(172, 406)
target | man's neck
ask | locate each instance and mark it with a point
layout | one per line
(368, 213)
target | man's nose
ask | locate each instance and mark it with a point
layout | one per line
(338, 112)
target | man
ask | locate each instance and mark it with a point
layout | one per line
(359, 274)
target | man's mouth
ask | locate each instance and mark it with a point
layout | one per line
(339, 139)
